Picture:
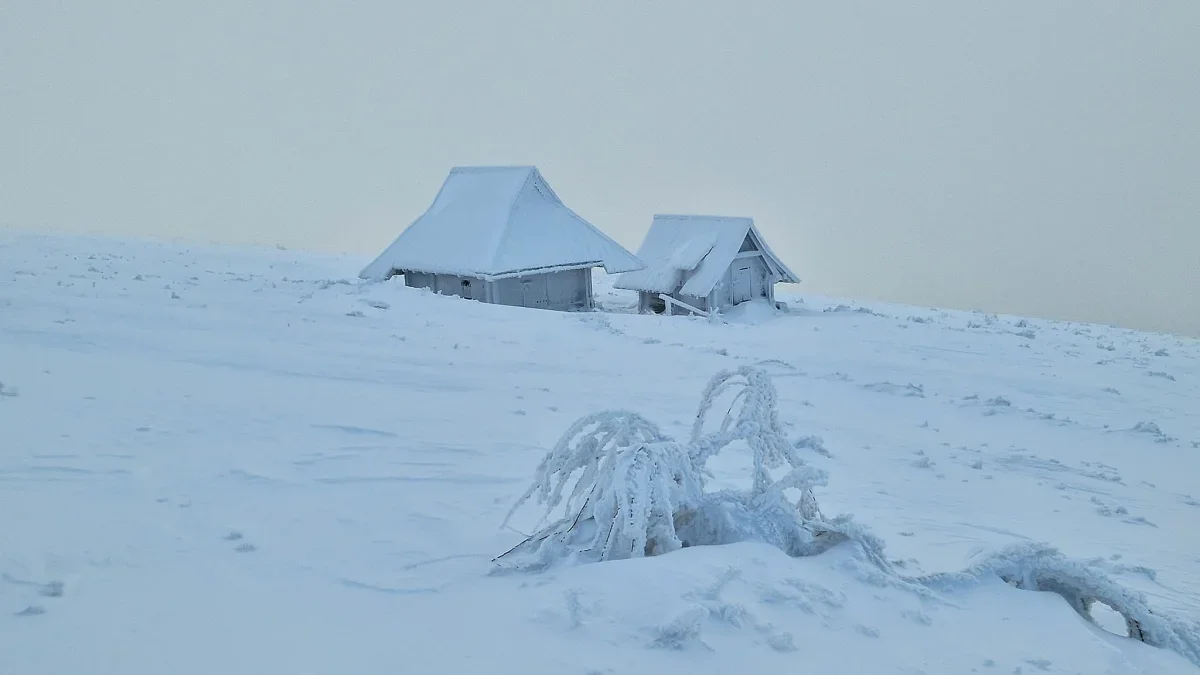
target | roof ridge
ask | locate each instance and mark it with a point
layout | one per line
(706, 216)
(500, 240)
(490, 167)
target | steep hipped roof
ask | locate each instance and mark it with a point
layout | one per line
(495, 221)
(694, 251)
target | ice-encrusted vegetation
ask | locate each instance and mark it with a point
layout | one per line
(635, 492)
(1039, 567)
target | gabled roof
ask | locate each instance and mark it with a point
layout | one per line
(690, 254)
(496, 221)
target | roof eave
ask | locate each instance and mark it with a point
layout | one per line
(643, 288)
(787, 276)
(541, 270)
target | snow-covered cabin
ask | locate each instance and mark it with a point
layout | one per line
(703, 263)
(499, 234)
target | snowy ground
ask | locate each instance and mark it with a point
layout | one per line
(243, 461)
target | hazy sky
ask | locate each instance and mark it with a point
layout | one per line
(1019, 156)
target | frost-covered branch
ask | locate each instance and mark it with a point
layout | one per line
(616, 487)
(1039, 567)
(756, 423)
(589, 446)
(628, 482)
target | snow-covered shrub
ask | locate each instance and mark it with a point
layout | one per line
(617, 487)
(634, 492)
(628, 484)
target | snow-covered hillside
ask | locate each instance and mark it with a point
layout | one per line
(247, 461)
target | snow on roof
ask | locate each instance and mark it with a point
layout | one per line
(703, 246)
(498, 221)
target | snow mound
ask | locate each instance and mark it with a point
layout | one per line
(753, 312)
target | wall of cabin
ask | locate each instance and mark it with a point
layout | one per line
(563, 291)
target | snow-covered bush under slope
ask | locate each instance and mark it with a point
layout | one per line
(632, 491)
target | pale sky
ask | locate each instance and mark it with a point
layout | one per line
(1023, 156)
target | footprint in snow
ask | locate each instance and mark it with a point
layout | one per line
(909, 390)
(917, 616)
(1139, 520)
(244, 546)
(867, 631)
(50, 589)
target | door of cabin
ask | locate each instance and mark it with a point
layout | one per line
(534, 292)
(743, 282)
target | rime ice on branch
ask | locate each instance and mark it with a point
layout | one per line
(633, 491)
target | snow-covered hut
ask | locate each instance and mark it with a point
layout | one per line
(702, 263)
(499, 234)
